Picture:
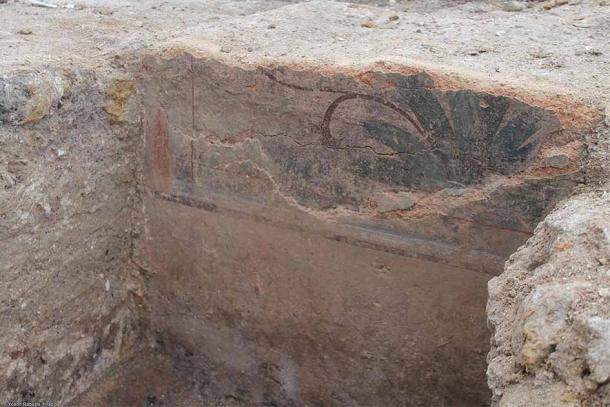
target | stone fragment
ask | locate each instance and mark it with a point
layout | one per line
(36, 3)
(455, 191)
(29, 97)
(119, 92)
(544, 314)
(581, 24)
(598, 355)
(593, 51)
(388, 202)
(556, 160)
(547, 5)
(527, 395)
(512, 6)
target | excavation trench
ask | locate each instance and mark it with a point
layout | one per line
(326, 238)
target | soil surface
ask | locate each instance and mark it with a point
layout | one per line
(536, 46)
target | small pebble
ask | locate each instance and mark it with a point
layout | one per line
(554, 3)
(47, 209)
(604, 292)
(592, 51)
(581, 24)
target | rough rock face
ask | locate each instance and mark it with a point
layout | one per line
(29, 96)
(66, 205)
(550, 312)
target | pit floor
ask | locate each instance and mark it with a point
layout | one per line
(153, 378)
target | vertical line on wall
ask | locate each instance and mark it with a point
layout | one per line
(192, 120)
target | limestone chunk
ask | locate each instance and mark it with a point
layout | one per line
(544, 314)
(388, 202)
(29, 97)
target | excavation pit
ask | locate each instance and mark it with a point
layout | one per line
(325, 237)
(228, 203)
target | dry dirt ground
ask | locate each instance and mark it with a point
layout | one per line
(94, 311)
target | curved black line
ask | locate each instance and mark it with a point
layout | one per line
(327, 137)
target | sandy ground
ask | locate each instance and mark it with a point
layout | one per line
(565, 47)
